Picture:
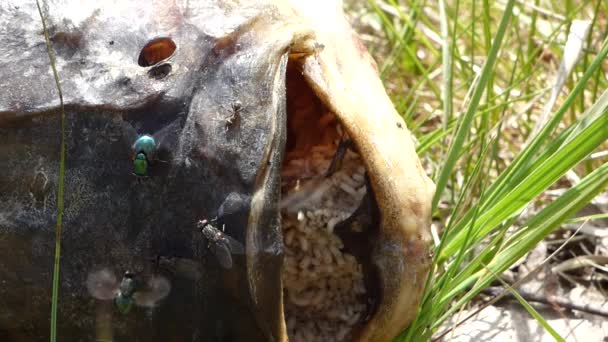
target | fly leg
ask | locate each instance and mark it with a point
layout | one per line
(336, 161)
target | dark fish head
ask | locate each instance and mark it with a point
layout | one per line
(214, 82)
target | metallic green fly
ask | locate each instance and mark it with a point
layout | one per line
(103, 285)
(145, 147)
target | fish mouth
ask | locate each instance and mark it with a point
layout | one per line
(329, 220)
(355, 204)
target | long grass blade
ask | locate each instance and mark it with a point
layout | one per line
(535, 229)
(55, 294)
(544, 173)
(465, 125)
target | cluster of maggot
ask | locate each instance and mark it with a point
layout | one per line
(324, 292)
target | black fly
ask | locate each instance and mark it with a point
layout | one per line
(220, 244)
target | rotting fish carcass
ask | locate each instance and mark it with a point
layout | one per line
(258, 96)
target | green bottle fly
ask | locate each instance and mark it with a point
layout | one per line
(140, 165)
(124, 298)
(127, 292)
(145, 144)
(144, 149)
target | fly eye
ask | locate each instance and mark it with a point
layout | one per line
(155, 51)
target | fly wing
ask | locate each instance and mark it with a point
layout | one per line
(234, 204)
(310, 192)
(157, 288)
(222, 254)
(234, 245)
(129, 135)
(167, 136)
(102, 284)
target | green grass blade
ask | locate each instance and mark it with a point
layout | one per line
(539, 318)
(535, 229)
(520, 166)
(477, 134)
(465, 125)
(541, 176)
(530, 157)
(55, 294)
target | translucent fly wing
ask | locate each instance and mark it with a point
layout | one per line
(129, 135)
(162, 136)
(312, 191)
(102, 284)
(157, 288)
(234, 204)
(222, 253)
(234, 245)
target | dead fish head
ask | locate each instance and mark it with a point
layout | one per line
(250, 101)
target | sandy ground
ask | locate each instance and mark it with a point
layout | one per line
(510, 322)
